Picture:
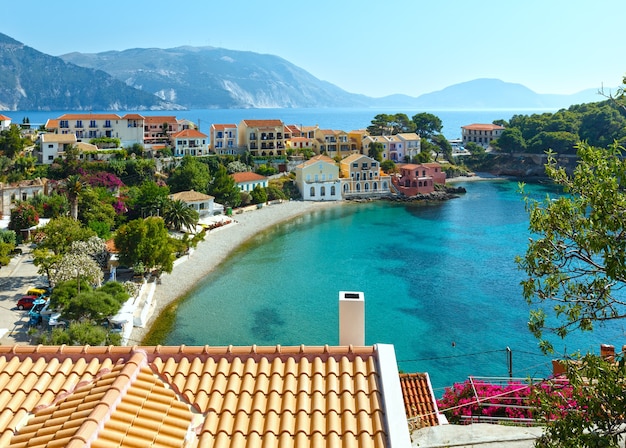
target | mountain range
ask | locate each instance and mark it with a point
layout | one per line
(217, 78)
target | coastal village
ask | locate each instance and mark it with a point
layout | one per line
(133, 395)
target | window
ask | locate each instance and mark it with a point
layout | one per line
(64, 124)
(24, 196)
(323, 191)
(107, 123)
(312, 191)
(92, 124)
(308, 178)
(50, 157)
(79, 123)
(332, 190)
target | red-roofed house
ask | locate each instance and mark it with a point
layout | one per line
(262, 137)
(190, 142)
(248, 180)
(5, 122)
(481, 134)
(419, 178)
(158, 129)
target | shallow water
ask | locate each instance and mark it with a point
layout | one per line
(439, 280)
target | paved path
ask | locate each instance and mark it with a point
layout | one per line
(15, 279)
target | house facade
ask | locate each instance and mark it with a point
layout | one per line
(223, 139)
(87, 126)
(20, 191)
(247, 181)
(333, 142)
(412, 144)
(51, 146)
(262, 137)
(190, 142)
(158, 129)
(481, 134)
(318, 179)
(361, 176)
(200, 202)
(420, 178)
(5, 123)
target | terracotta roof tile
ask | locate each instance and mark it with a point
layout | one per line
(247, 176)
(419, 400)
(189, 133)
(213, 396)
(483, 127)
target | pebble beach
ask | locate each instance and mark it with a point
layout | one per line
(215, 248)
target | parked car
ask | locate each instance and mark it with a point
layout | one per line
(26, 302)
(36, 292)
(56, 321)
(39, 306)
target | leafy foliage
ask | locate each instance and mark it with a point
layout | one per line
(224, 188)
(60, 233)
(576, 259)
(180, 216)
(146, 241)
(23, 216)
(588, 410)
(190, 175)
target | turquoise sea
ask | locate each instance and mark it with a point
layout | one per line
(326, 118)
(439, 280)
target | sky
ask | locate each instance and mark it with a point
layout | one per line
(374, 48)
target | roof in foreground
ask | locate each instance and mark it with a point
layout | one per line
(197, 396)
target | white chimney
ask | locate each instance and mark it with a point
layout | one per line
(351, 318)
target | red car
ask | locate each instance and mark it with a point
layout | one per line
(26, 302)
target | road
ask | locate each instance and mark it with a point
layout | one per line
(15, 279)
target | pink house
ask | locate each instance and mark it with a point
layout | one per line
(419, 178)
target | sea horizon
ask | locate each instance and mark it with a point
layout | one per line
(345, 119)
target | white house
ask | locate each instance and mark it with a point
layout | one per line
(52, 146)
(5, 122)
(248, 180)
(200, 202)
(190, 142)
(318, 179)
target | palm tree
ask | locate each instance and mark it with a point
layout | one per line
(73, 188)
(179, 215)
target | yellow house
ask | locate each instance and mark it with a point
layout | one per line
(361, 176)
(262, 137)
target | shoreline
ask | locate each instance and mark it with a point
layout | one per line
(217, 246)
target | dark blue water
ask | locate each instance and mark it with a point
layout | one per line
(439, 280)
(331, 118)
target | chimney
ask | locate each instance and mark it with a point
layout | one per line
(607, 352)
(351, 318)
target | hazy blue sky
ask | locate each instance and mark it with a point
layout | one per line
(374, 48)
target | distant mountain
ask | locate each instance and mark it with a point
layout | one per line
(31, 80)
(216, 78)
(207, 77)
(496, 94)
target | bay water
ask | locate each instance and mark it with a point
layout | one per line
(439, 280)
(327, 118)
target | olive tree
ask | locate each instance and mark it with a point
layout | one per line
(576, 272)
